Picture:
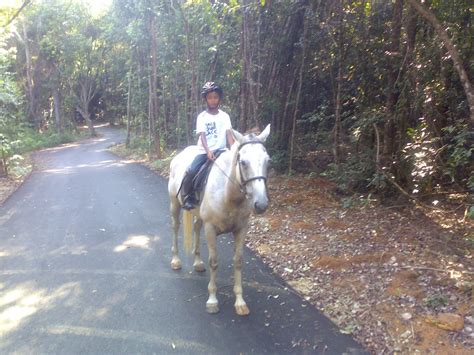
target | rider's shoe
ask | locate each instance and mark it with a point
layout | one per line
(189, 203)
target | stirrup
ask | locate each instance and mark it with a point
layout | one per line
(189, 203)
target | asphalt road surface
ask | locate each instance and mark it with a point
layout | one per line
(85, 250)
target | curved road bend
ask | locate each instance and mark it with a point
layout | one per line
(85, 268)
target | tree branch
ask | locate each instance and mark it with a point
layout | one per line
(429, 16)
(25, 4)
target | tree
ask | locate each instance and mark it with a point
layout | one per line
(344, 83)
(453, 52)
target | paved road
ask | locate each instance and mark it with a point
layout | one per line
(84, 268)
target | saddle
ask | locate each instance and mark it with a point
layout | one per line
(200, 179)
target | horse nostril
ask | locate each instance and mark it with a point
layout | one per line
(260, 207)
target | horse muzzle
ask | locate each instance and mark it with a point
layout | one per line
(260, 206)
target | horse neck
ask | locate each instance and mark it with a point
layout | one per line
(233, 187)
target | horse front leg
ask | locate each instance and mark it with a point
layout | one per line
(198, 263)
(212, 305)
(175, 209)
(240, 306)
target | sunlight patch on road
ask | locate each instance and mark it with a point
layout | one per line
(136, 241)
(7, 216)
(134, 336)
(24, 300)
(102, 164)
(63, 171)
(69, 250)
(61, 147)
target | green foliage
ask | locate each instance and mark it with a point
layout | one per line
(357, 201)
(470, 212)
(139, 143)
(5, 152)
(356, 173)
(459, 154)
(279, 160)
(110, 58)
(436, 301)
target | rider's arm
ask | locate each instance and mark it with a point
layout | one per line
(210, 154)
(230, 137)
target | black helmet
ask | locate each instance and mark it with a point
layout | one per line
(211, 86)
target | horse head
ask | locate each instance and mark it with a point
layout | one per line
(252, 164)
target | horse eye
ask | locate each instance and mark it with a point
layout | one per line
(244, 163)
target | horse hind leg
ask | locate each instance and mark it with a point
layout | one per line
(241, 307)
(175, 209)
(198, 263)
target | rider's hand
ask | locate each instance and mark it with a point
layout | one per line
(210, 155)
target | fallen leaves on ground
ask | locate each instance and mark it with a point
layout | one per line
(384, 275)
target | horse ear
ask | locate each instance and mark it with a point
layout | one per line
(264, 135)
(237, 136)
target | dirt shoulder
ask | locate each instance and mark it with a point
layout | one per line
(397, 279)
(9, 184)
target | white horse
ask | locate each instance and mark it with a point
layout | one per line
(236, 186)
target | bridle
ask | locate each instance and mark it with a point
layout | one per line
(243, 181)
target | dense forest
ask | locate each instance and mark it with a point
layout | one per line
(374, 94)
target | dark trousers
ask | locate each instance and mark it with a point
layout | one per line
(187, 186)
(196, 164)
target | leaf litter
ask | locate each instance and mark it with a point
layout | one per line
(384, 275)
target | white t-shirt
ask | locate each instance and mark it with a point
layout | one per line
(214, 127)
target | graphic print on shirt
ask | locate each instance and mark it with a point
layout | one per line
(211, 129)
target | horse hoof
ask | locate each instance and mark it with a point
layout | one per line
(199, 267)
(212, 308)
(176, 264)
(242, 310)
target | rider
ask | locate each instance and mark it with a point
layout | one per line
(215, 130)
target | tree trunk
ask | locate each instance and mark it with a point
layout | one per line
(244, 69)
(338, 88)
(194, 89)
(129, 100)
(57, 112)
(298, 92)
(392, 94)
(411, 115)
(188, 92)
(453, 52)
(87, 92)
(280, 126)
(86, 115)
(177, 110)
(249, 77)
(187, 98)
(166, 109)
(140, 110)
(337, 113)
(259, 62)
(151, 119)
(154, 132)
(32, 114)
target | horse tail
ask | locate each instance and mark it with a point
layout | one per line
(188, 230)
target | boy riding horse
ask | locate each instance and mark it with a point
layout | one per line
(215, 130)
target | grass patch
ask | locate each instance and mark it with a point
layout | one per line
(140, 155)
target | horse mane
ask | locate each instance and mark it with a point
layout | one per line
(251, 137)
